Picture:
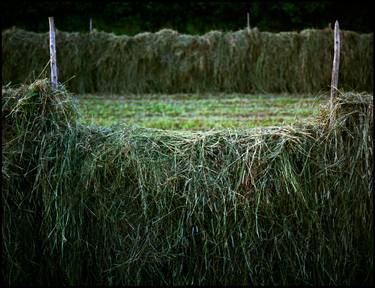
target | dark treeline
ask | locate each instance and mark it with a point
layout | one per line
(185, 17)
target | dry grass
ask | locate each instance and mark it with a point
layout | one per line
(169, 62)
(91, 205)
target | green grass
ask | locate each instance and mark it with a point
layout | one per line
(198, 112)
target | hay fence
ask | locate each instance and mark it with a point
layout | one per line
(85, 205)
(169, 62)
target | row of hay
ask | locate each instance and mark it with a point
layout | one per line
(90, 205)
(169, 62)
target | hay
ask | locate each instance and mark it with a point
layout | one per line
(90, 205)
(169, 62)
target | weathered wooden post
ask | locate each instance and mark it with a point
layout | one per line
(248, 22)
(90, 25)
(335, 66)
(52, 50)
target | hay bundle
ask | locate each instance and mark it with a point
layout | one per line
(88, 205)
(169, 62)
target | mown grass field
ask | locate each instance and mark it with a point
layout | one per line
(198, 112)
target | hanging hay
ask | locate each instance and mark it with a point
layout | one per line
(169, 62)
(99, 206)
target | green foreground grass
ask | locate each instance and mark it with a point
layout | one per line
(124, 207)
(198, 112)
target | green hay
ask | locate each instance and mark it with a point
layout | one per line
(90, 205)
(169, 62)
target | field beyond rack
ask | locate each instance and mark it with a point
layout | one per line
(199, 112)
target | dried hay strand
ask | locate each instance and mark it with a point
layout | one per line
(169, 62)
(91, 205)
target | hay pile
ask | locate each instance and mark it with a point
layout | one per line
(169, 62)
(89, 205)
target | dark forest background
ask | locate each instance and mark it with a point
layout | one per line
(185, 17)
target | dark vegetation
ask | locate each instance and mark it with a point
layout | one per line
(186, 17)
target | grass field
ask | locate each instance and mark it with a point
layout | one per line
(198, 112)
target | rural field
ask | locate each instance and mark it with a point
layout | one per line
(164, 158)
(199, 112)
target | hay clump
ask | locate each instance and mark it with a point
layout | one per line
(169, 62)
(87, 205)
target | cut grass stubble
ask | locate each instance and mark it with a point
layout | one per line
(181, 112)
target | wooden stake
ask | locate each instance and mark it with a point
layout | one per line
(52, 50)
(248, 22)
(90, 25)
(336, 63)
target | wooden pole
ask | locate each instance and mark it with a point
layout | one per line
(90, 25)
(336, 64)
(248, 22)
(52, 50)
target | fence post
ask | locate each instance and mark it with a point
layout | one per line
(90, 25)
(335, 66)
(248, 22)
(52, 50)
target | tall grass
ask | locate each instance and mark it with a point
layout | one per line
(169, 62)
(91, 205)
